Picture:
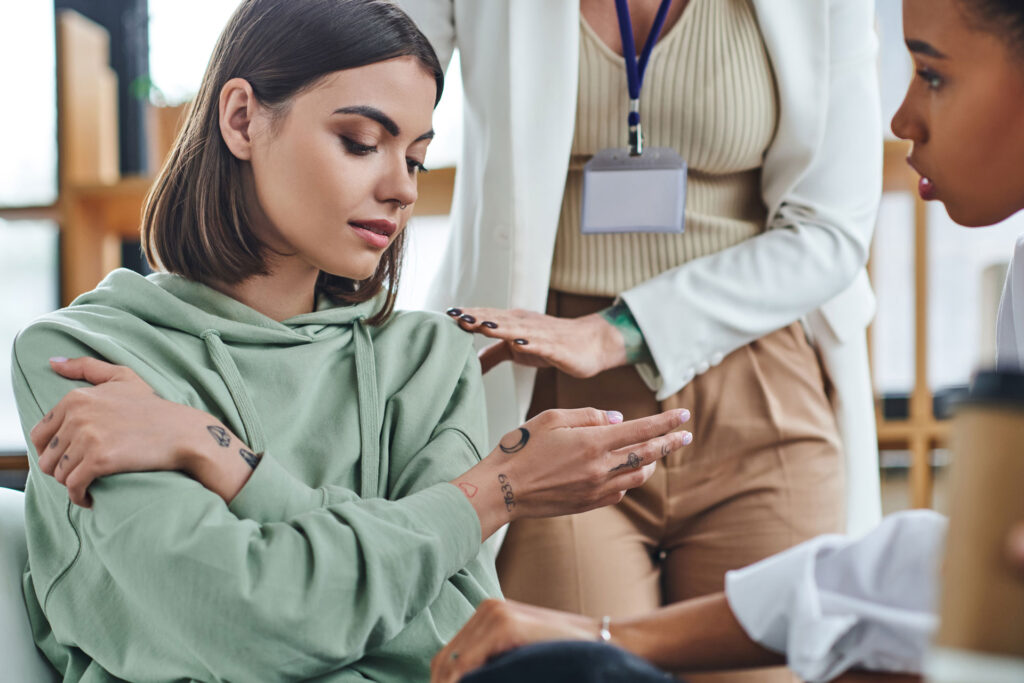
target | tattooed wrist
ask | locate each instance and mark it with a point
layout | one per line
(250, 458)
(506, 492)
(621, 318)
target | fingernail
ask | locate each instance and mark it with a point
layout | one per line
(614, 416)
(467, 318)
(684, 416)
(521, 342)
(488, 324)
(687, 438)
(58, 359)
(454, 312)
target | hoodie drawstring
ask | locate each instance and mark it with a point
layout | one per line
(368, 396)
(369, 412)
(228, 372)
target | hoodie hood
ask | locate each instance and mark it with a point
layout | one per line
(171, 301)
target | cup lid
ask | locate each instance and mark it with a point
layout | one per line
(1001, 385)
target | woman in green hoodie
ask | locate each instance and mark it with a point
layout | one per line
(299, 489)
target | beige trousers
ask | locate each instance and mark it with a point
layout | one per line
(763, 473)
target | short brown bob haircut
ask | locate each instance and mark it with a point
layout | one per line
(195, 221)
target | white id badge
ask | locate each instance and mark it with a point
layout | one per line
(623, 193)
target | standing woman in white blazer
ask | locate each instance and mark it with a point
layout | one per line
(774, 105)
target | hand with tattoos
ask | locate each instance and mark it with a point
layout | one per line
(581, 347)
(567, 461)
(120, 425)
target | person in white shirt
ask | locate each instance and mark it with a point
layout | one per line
(834, 603)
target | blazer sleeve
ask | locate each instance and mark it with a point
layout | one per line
(816, 243)
(436, 19)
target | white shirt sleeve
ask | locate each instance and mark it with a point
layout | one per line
(836, 603)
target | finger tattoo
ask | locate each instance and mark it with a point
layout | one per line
(53, 442)
(250, 458)
(666, 449)
(220, 435)
(633, 461)
(524, 436)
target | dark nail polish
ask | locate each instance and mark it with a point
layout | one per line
(454, 312)
(521, 342)
(488, 324)
(467, 318)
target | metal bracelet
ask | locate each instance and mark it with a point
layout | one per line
(605, 635)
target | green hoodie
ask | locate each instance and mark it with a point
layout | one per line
(346, 556)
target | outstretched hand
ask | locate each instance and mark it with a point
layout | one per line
(567, 461)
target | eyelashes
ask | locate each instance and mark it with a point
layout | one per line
(931, 78)
(361, 150)
(357, 148)
(416, 167)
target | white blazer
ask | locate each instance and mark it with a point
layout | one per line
(821, 183)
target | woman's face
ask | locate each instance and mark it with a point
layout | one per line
(335, 177)
(963, 112)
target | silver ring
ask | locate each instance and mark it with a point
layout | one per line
(403, 207)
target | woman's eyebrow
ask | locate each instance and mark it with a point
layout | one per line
(923, 48)
(372, 113)
(380, 117)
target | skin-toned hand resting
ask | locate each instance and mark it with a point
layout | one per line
(581, 347)
(567, 461)
(694, 635)
(120, 425)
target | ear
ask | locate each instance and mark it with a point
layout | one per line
(237, 107)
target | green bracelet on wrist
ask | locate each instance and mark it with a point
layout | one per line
(622, 319)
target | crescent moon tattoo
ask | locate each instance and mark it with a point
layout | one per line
(519, 445)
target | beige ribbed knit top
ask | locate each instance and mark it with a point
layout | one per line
(709, 92)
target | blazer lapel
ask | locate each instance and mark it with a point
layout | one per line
(796, 38)
(544, 72)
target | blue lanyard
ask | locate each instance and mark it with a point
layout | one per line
(635, 67)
